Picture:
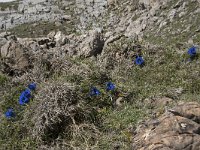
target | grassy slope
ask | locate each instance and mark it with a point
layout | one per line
(166, 70)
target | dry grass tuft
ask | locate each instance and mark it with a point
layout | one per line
(59, 112)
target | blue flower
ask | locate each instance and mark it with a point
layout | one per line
(24, 97)
(94, 91)
(32, 86)
(192, 51)
(139, 60)
(27, 93)
(10, 113)
(110, 86)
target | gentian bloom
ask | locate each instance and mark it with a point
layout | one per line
(94, 92)
(192, 51)
(32, 86)
(139, 60)
(110, 86)
(9, 113)
(24, 97)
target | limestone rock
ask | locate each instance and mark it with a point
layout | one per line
(172, 14)
(51, 35)
(66, 17)
(111, 2)
(60, 38)
(92, 45)
(176, 129)
(5, 49)
(15, 57)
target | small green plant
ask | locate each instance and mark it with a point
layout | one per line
(13, 131)
(3, 79)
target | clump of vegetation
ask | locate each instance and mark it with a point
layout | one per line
(57, 112)
(3, 79)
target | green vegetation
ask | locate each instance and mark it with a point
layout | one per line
(62, 114)
(3, 79)
(41, 29)
(165, 71)
(9, 5)
(118, 126)
(14, 135)
(13, 132)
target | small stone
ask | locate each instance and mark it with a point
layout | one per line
(57, 23)
(66, 17)
(51, 35)
(60, 38)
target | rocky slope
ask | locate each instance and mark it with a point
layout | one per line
(68, 46)
(95, 25)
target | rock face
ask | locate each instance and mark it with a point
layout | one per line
(28, 11)
(98, 23)
(179, 129)
(126, 17)
(90, 10)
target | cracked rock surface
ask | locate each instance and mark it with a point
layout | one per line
(177, 129)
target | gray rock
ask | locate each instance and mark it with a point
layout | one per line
(30, 11)
(172, 14)
(5, 49)
(15, 57)
(66, 17)
(181, 14)
(51, 35)
(175, 129)
(90, 11)
(111, 2)
(92, 45)
(60, 38)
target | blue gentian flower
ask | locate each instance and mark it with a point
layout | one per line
(23, 100)
(24, 97)
(10, 113)
(32, 86)
(139, 60)
(27, 93)
(94, 91)
(110, 86)
(192, 51)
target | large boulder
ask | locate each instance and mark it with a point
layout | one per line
(15, 57)
(177, 129)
